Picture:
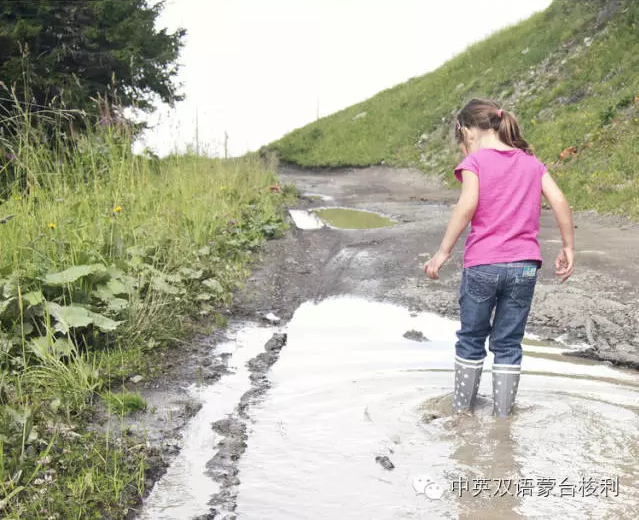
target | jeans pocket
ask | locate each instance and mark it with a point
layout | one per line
(524, 290)
(480, 285)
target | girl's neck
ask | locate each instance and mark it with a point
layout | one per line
(490, 140)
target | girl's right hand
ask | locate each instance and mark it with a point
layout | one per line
(564, 265)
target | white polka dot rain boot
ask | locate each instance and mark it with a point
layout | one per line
(505, 383)
(467, 376)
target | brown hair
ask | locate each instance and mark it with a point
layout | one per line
(486, 114)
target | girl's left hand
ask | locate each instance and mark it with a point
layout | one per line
(433, 266)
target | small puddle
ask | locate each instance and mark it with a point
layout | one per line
(342, 218)
(349, 219)
(350, 387)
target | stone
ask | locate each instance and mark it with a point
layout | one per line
(276, 342)
(415, 335)
(385, 462)
(137, 379)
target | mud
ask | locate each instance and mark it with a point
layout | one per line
(597, 307)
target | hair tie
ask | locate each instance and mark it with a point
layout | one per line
(457, 125)
(500, 113)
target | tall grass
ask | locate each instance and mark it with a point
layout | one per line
(105, 258)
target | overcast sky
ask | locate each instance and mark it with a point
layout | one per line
(257, 69)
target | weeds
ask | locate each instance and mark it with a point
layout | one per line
(125, 403)
(105, 258)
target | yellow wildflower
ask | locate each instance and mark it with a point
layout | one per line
(52, 226)
(117, 209)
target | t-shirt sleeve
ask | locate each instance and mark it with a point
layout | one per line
(542, 169)
(469, 163)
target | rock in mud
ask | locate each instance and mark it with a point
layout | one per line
(277, 342)
(385, 462)
(261, 363)
(415, 335)
(137, 379)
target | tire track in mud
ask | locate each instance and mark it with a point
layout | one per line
(223, 468)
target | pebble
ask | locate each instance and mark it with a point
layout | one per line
(385, 462)
(415, 335)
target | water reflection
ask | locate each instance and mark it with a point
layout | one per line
(486, 479)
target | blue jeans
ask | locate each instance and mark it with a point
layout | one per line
(508, 290)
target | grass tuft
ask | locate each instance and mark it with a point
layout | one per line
(125, 403)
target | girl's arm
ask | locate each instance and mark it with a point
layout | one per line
(564, 265)
(461, 216)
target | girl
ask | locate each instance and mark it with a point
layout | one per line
(502, 185)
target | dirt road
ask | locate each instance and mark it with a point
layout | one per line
(597, 306)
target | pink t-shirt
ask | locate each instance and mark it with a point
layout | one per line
(506, 223)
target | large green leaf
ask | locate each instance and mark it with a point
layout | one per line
(70, 275)
(33, 298)
(103, 293)
(44, 346)
(124, 286)
(69, 317)
(159, 283)
(174, 278)
(23, 328)
(113, 303)
(214, 285)
(103, 323)
(191, 274)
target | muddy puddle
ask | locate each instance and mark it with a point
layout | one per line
(350, 392)
(342, 218)
(184, 491)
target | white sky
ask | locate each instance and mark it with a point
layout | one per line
(258, 69)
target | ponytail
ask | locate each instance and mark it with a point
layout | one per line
(510, 132)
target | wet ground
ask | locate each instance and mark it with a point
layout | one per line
(352, 419)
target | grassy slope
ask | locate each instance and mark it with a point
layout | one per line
(565, 93)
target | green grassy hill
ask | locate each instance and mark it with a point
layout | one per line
(570, 74)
